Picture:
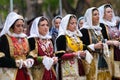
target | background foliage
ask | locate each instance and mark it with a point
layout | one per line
(33, 8)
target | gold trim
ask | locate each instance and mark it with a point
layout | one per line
(117, 69)
(61, 51)
(39, 69)
(11, 47)
(90, 36)
(111, 67)
(112, 59)
(15, 74)
(36, 46)
(33, 53)
(27, 43)
(54, 71)
(106, 27)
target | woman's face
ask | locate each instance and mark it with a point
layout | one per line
(108, 14)
(72, 24)
(18, 26)
(43, 27)
(81, 23)
(25, 30)
(57, 22)
(95, 17)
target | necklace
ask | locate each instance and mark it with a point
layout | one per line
(74, 43)
(46, 46)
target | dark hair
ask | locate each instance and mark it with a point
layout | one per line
(94, 9)
(15, 22)
(73, 16)
(107, 6)
(58, 17)
(42, 19)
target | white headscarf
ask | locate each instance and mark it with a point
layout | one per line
(101, 14)
(88, 20)
(10, 20)
(53, 20)
(63, 27)
(34, 32)
(78, 22)
(81, 18)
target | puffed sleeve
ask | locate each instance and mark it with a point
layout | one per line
(61, 48)
(5, 58)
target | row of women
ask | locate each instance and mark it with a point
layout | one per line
(91, 53)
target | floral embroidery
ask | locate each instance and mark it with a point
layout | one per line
(20, 46)
(46, 46)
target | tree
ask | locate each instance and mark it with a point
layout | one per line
(4, 9)
(79, 9)
(82, 5)
(50, 8)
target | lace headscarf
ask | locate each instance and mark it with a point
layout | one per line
(63, 27)
(53, 21)
(34, 32)
(78, 22)
(10, 20)
(102, 20)
(88, 21)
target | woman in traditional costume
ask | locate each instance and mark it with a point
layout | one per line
(92, 36)
(41, 49)
(111, 32)
(80, 22)
(55, 27)
(70, 50)
(14, 48)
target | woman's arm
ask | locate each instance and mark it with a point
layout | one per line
(6, 60)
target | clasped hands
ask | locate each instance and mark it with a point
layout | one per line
(80, 54)
(55, 59)
(113, 42)
(99, 45)
(28, 63)
(48, 62)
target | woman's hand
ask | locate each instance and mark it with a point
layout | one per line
(28, 63)
(116, 43)
(55, 59)
(19, 63)
(113, 42)
(82, 54)
(98, 45)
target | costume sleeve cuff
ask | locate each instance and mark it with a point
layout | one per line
(91, 46)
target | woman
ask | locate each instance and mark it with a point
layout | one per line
(14, 49)
(108, 19)
(80, 22)
(54, 30)
(41, 49)
(111, 32)
(69, 50)
(99, 68)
